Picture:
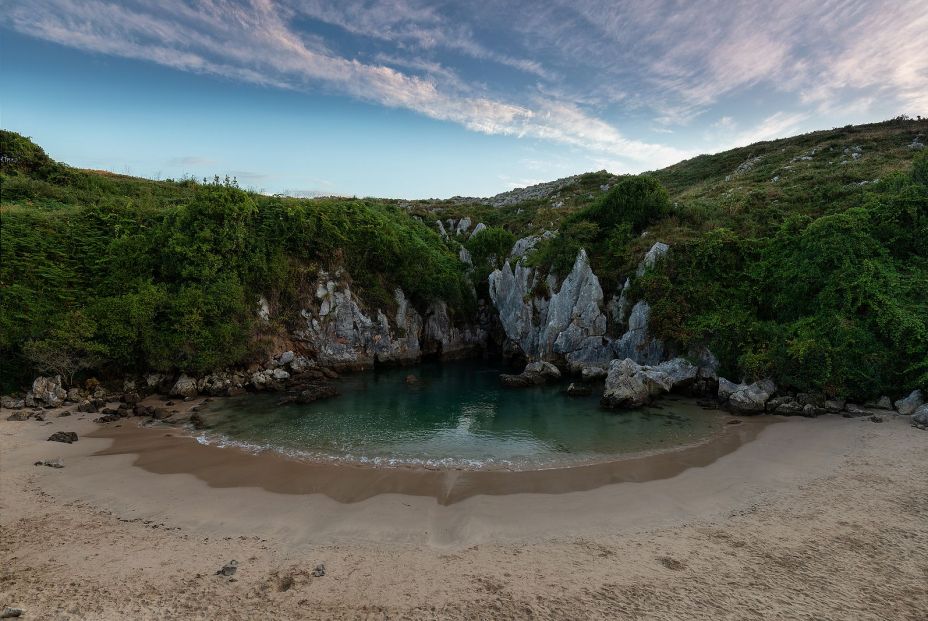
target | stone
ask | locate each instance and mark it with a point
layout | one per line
(319, 570)
(19, 416)
(658, 250)
(637, 343)
(161, 413)
(746, 398)
(477, 230)
(51, 463)
(590, 373)
(465, 257)
(48, 391)
(908, 405)
(10, 613)
(578, 390)
(316, 392)
(11, 403)
(185, 386)
(875, 418)
(280, 375)
(285, 358)
(411, 380)
(63, 436)
(834, 405)
(74, 395)
(463, 226)
(264, 309)
(883, 403)
(920, 417)
(521, 380)
(545, 369)
(197, 421)
(626, 386)
(228, 569)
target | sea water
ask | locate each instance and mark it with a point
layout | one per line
(453, 415)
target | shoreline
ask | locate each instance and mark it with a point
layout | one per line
(161, 450)
(818, 517)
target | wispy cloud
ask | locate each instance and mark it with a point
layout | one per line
(255, 42)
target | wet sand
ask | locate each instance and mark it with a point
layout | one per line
(819, 519)
(164, 451)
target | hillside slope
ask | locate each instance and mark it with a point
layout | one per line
(803, 259)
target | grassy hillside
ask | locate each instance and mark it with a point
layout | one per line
(116, 273)
(804, 259)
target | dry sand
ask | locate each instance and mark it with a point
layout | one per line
(812, 519)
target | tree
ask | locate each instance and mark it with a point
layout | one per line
(68, 348)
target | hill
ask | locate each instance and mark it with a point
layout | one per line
(804, 259)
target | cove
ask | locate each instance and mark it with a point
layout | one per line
(453, 434)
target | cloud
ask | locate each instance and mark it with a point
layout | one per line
(190, 160)
(255, 42)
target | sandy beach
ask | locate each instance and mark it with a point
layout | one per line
(804, 518)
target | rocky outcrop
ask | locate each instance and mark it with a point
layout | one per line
(630, 385)
(340, 333)
(570, 323)
(746, 398)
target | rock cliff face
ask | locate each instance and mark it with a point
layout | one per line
(342, 334)
(571, 323)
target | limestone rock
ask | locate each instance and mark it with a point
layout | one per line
(911, 403)
(920, 417)
(477, 230)
(11, 403)
(746, 398)
(185, 386)
(48, 391)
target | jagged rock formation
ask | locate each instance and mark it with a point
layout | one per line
(746, 398)
(569, 324)
(631, 385)
(341, 334)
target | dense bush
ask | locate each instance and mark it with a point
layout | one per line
(489, 249)
(119, 273)
(838, 302)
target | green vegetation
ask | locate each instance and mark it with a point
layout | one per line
(804, 259)
(114, 273)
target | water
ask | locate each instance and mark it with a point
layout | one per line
(457, 416)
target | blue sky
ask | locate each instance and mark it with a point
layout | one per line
(406, 98)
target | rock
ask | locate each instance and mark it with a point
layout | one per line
(51, 463)
(464, 256)
(876, 418)
(185, 386)
(545, 369)
(853, 409)
(319, 570)
(520, 381)
(441, 229)
(144, 410)
(315, 392)
(591, 373)
(578, 390)
(197, 421)
(463, 226)
(637, 343)
(785, 406)
(228, 569)
(285, 358)
(161, 413)
(48, 391)
(264, 309)
(477, 230)
(10, 403)
(525, 245)
(658, 250)
(63, 436)
(746, 398)
(907, 406)
(87, 406)
(535, 374)
(920, 417)
(411, 380)
(835, 405)
(883, 403)
(74, 395)
(19, 416)
(10, 613)
(280, 375)
(627, 386)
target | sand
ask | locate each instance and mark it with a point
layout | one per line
(801, 519)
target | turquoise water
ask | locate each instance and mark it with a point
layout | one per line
(457, 416)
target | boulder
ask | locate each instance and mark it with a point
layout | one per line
(477, 230)
(535, 374)
(11, 403)
(63, 436)
(627, 386)
(746, 398)
(545, 369)
(834, 405)
(285, 358)
(910, 404)
(48, 391)
(185, 386)
(920, 417)
(591, 373)
(280, 375)
(883, 403)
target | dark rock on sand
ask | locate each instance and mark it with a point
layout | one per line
(197, 421)
(19, 416)
(228, 569)
(319, 570)
(10, 613)
(876, 419)
(63, 436)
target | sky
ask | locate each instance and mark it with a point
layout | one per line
(420, 99)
